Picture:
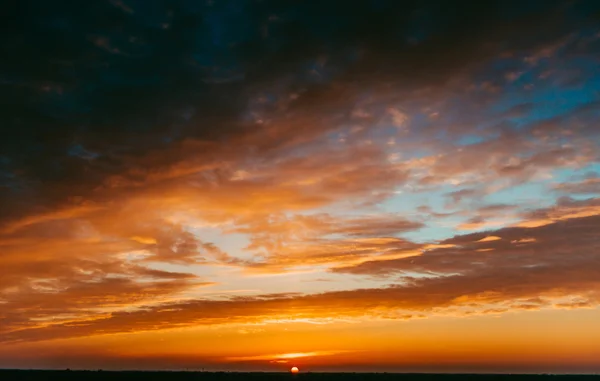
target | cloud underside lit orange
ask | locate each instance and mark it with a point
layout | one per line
(111, 264)
(521, 269)
(90, 268)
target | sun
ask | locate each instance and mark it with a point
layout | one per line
(295, 370)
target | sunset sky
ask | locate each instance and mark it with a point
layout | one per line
(334, 185)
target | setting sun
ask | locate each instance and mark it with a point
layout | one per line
(295, 370)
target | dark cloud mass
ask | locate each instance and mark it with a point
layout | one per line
(89, 87)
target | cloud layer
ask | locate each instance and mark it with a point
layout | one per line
(423, 158)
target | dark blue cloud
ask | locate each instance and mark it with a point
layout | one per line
(86, 86)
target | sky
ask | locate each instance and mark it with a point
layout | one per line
(408, 186)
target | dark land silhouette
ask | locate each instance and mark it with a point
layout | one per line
(46, 375)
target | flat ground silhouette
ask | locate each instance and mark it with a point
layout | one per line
(46, 375)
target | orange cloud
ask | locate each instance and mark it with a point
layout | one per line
(456, 275)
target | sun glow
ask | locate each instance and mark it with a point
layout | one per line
(283, 356)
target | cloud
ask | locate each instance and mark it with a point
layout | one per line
(535, 252)
(550, 262)
(587, 186)
(323, 239)
(139, 102)
(565, 208)
(458, 196)
(133, 133)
